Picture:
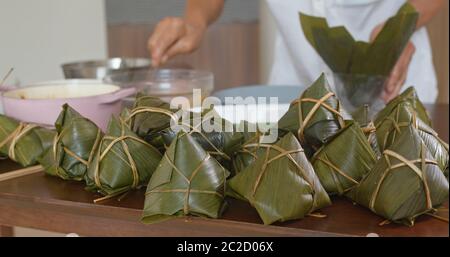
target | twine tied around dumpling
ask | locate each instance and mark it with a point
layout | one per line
(15, 136)
(283, 154)
(397, 126)
(57, 139)
(318, 103)
(131, 163)
(404, 162)
(187, 191)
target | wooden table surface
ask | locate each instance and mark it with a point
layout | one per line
(48, 203)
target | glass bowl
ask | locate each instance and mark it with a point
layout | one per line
(166, 83)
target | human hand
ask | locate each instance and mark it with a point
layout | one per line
(398, 74)
(174, 36)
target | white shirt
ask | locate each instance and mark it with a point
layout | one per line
(297, 63)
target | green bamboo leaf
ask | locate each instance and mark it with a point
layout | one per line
(74, 146)
(188, 181)
(405, 183)
(148, 117)
(23, 143)
(242, 156)
(213, 141)
(360, 68)
(342, 162)
(344, 54)
(315, 116)
(122, 162)
(281, 172)
(410, 96)
(362, 116)
(391, 128)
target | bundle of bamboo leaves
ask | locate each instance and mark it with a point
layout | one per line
(122, 162)
(73, 147)
(188, 181)
(23, 143)
(314, 117)
(342, 162)
(391, 128)
(280, 173)
(405, 183)
(361, 67)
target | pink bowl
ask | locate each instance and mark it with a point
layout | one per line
(41, 103)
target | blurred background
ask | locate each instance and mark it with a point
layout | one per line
(38, 36)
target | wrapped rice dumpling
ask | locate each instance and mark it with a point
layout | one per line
(188, 181)
(281, 172)
(363, 118)
(401, 118)
(122, 162)
(74, 146)
(405, 183)
(213, 141)
(149, 116)
(315, 116)
(341, 163)
(23, 143)
(242, 146)
(409, 96)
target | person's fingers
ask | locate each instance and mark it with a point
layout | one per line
(167, 33)
(399, 73)
(186, 44)
(183, 46)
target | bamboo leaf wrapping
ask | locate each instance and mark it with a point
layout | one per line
(405, 183)
(122, 162)
(315, 116)
(409, 96)
(281, 183)
(243, 156)
(401, 119)
(213, 141)
(368, 127)
(148, 117)
(23, 143)
(342, 162)
(73, 147)
(188, 181)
